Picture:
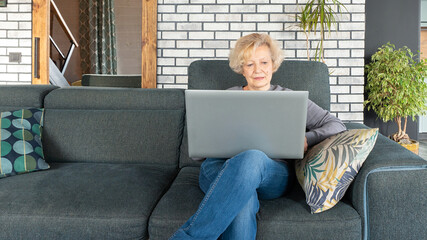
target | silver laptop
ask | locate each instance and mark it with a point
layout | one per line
(222, 124)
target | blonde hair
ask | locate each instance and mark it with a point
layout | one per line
(246, 45)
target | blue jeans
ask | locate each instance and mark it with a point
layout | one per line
(232, 188)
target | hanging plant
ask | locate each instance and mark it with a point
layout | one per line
(319, 15)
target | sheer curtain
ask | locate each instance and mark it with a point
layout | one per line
(98, 37)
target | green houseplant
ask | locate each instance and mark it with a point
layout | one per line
(396, 87)
(318, 15)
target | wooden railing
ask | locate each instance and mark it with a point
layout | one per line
(62, 23)
(66, 29)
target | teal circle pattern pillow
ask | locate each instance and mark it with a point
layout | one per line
(21, 145)
(329, 167)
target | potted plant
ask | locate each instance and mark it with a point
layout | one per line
(396, 88)
(318, 15)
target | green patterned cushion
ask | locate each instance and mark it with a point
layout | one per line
(21, 147)
(329, 167)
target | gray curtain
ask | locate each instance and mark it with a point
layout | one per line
(98, 37)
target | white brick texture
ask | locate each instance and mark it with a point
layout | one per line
(15, 36)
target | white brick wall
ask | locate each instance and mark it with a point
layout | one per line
(206, 29)
(15, 36)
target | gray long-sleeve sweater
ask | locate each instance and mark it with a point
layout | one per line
(320, 123)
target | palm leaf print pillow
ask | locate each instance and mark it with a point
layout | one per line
(329, 167)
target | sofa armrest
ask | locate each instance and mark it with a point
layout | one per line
(390, 192)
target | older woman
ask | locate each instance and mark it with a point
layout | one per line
(234, 186)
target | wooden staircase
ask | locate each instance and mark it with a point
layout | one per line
(42, 56)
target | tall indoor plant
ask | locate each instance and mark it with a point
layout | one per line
(396, 87)
(318, 15)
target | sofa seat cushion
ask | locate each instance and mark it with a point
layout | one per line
(287, 217)
(82, 201)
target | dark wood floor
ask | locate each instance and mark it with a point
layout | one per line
(423, 149)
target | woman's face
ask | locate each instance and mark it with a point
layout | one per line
(258, 69)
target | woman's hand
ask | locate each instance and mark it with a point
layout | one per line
(305, 145)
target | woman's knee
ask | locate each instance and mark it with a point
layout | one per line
(254, 153)
(249, 163)
(254, 158)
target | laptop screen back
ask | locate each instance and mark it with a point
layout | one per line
(222, 124)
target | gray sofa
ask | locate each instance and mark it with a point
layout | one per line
(120, 169)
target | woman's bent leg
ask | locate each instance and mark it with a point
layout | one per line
(244, 225)
(275, 182)
(230, 192)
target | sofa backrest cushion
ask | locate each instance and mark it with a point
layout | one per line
(113, 125)
(15, 97)
(297, 75)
